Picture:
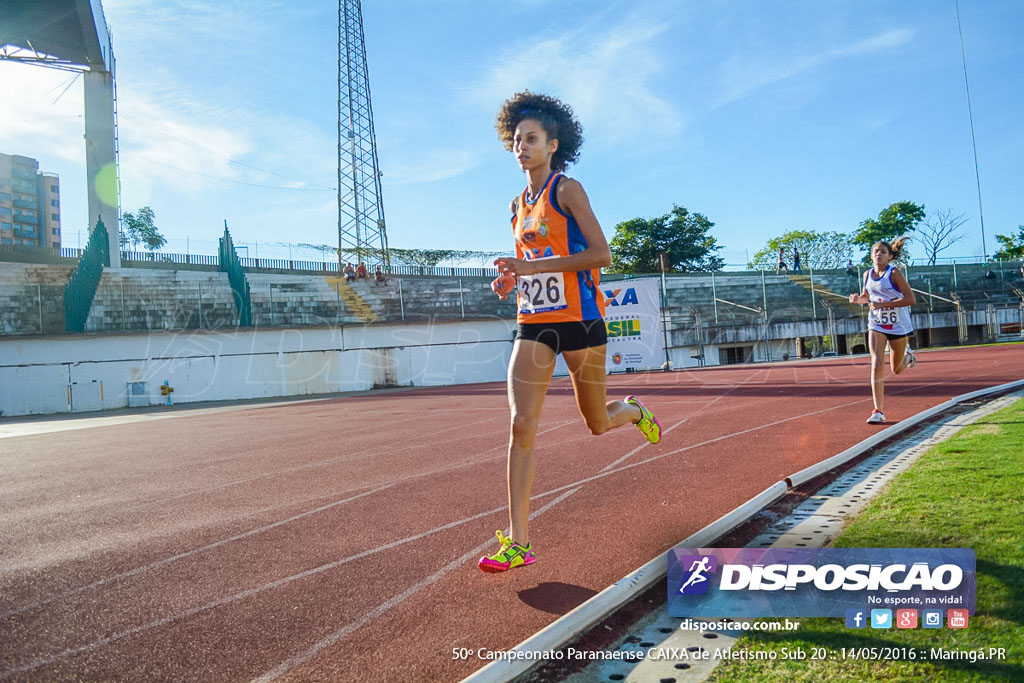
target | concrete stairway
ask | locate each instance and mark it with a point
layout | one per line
(32, 298)
(141, 299)
(353, 301)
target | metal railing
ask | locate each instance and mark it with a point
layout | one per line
(229, 263)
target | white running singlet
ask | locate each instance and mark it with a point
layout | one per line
(888, 320)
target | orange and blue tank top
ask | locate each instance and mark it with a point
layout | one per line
(542, 230)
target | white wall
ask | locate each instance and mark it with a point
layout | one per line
(92, 372)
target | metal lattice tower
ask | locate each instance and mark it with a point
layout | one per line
(361, 232)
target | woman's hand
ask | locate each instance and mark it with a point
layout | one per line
(515, 267)
(879, 305)
(503, 285)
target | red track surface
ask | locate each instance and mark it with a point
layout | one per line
(337, 540)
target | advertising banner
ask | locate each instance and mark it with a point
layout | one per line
(819, 582)
(632, 314)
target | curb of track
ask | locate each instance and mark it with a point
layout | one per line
(556, 635)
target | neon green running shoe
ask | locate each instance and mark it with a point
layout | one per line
(511, 555)
(648, 424)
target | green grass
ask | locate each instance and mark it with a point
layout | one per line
(967, 492)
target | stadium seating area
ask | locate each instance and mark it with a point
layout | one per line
(140, 298)
(32, 298)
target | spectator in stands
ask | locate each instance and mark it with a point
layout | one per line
(850, 269)
(796, 261)
(782, 262)
(349, 272)
(361, 273)
(378, 277)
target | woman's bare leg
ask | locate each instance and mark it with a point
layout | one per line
(897, 354)
(876, 344)
(529, 373)
(587, 368)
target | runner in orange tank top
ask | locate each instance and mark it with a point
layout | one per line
(560, 250)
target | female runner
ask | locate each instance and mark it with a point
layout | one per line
(560, 250)
(890, 297)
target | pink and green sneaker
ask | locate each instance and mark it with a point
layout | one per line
(511, 555)
(648, 424)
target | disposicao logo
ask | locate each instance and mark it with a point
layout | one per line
(695, 581)
(818, 582)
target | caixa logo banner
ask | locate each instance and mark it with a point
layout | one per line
(816, 582)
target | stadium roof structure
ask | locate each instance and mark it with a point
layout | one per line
(72, 35)
(68, 34)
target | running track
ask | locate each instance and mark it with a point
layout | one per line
(337, 539)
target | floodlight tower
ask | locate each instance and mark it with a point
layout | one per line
(361, 231)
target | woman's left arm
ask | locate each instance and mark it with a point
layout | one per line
(574, 202)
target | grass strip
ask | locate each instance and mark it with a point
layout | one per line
(967, 492)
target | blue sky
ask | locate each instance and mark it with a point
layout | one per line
(764, 116)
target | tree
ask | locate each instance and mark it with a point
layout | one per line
(680, 235)
(898, 219)
(423, 258)
(939, 232)
(1012, 245)
(140, 228)
(819, 250)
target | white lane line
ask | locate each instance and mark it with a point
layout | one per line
(393, 544)
(238, 596)
(37, 427)
(686, 419)
(277, 473)
(159, 563)
(380, 609)
(260, 589)
(190, 553)
(317, 570)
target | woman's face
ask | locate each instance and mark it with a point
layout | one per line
(880, 254)
(531, 146)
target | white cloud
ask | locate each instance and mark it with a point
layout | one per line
(430, 165)
(36, 120)
(744, 75)
(604, 71)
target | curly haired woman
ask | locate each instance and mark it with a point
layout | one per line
(560, 250)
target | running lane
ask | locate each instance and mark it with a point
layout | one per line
(337, 539)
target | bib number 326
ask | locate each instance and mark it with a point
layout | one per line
(542, 292)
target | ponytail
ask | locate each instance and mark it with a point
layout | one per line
(896, 247)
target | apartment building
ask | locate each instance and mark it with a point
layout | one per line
(29, 203)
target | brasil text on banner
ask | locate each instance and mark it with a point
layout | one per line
(632, 314)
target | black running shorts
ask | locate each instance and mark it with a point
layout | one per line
(568, 336)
